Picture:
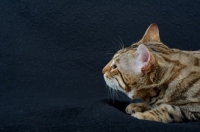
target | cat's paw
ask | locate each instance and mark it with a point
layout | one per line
(139, 115)
(145, 116)
(149, 116)
(137, 107)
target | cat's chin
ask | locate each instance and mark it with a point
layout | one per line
(112, 83)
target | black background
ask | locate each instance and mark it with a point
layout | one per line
(52, 53)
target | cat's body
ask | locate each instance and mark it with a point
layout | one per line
(168, 80)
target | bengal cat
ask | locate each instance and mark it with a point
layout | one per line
(166, 79)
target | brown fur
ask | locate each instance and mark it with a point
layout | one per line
(169, 83)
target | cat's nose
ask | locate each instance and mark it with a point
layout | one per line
(104, 70)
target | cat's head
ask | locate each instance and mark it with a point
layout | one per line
(126, 69)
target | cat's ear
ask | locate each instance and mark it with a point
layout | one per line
(145, 58)
(151, 34)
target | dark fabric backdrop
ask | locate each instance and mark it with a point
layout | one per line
(52, 53)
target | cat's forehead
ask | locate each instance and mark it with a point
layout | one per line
(123, 52)
(120, 53)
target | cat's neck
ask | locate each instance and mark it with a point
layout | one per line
(166, 69)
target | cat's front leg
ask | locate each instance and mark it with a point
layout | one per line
(165, 113)
(137, 107)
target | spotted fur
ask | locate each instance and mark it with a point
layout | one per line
(166, 79)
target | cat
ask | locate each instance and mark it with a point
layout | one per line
(166, 79)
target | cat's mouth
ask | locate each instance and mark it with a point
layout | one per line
(112, 83)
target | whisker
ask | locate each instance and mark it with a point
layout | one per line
(110, 53)
(112, 94)
(117, 47)
(121, 41)
(116, 94)
(107, 90)
(121, 46)
(109, 93)
(121, 94)
(113, 97)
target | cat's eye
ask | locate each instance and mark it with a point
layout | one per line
(114, 66)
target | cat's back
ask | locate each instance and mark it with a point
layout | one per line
(170, 55)
(182, 73)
